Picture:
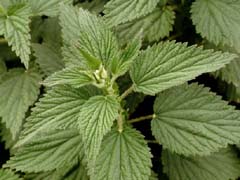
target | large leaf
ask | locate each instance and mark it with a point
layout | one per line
(95, 120)
(48, 151)
(73, 76)
(124, 156)
(6, 174)
(84, 32)
(154, 26)
(15, 28)
(191, 120)
(120, 11)
(218, 21)
(59, 108)
(169, 64)
(19, 89)
(223, 165)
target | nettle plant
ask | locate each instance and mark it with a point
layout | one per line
(68, 113)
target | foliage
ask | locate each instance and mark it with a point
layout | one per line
(76, 71)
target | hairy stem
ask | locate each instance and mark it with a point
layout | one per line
(142, 118)
(120, 121)
(127, 92)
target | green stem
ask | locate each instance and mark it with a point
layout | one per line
(127, 92)
(174, 36)
(120, 121)
(152, 141)
(142, 118)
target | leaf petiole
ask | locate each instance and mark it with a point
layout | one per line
(142, 118)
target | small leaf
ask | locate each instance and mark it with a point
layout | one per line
(81, 28)
(120, 11)
(218, 21)
(48, 151)
(73, 76)
(120, 66)
(19, 89)
(223, 165)
(95, 120)
(16, 30)
(123, 156)
(191, 120)
(6, 174)
(92, 62)
(170, 64)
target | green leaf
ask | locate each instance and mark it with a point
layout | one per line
(72, 172)
(124, 156)
(19, 89)
(120, 11)
(16, 30)
(223, 165)
(59, 108)
(154, 176)
(230, 73)
(191, 120)
(94, 6)
(6, 136)
(48, 58)
(80, 28)
(48, 54)
(95, 120)
(93, 63)
(76, 172)
(73, 76)
(233, 93)
(51, 32)
(6, 174)
(218, 21)
(3, 67)
(46, 7)
(154, 26)
(120, 66)
(48, 151)
(170, 64)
